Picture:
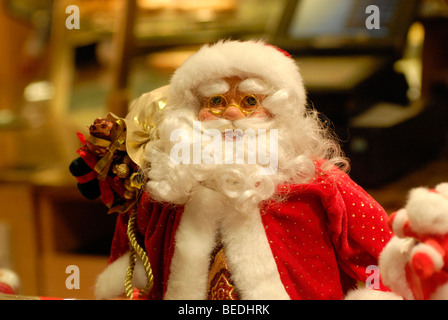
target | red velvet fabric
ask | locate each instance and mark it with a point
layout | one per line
(157, 224)
(323, 235)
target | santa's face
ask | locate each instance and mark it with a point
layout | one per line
(266, 102)
(231, 110)
(232, 99)
(233, 144)
(230, 146)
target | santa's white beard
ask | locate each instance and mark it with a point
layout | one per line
(243, 185)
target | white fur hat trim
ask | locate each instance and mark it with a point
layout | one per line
(236, 58)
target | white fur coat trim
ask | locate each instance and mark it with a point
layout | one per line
(249, 257)
(194, 242)
(370, 294)
(110, 283)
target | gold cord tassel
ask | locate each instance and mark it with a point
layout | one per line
(136, 250)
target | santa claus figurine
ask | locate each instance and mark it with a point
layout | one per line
(245, 194)
(415, 262)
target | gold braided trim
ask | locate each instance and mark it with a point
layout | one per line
(136, 250)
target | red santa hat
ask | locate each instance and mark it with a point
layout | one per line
(237, 58)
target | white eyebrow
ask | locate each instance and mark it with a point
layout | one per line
(215, 87)
(253, 85)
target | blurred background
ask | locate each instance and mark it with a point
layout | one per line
(380, 78)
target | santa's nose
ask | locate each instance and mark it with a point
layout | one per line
(233, 113)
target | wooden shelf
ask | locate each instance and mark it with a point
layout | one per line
(53, 274)
(72, 231)
(52, 228)
(50, 224)
(17, 213)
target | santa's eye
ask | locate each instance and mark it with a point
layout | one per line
(217, 104)
(216, 100)
(250, 102)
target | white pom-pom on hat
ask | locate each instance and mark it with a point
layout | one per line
(443, 189)
(428, 211)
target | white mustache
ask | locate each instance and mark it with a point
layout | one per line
(245, 123)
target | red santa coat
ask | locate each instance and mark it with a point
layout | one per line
(316, 243)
